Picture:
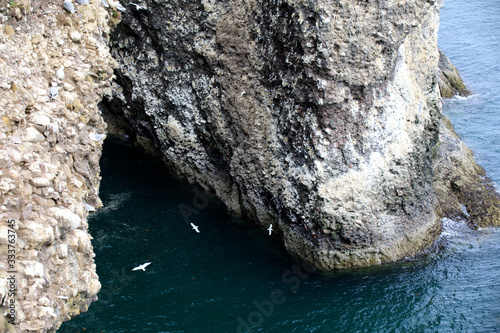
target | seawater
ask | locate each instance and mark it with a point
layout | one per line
(231, 274)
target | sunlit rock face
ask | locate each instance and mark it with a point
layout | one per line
(54, 68)
(319, 117)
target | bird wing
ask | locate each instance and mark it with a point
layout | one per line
(141, 266)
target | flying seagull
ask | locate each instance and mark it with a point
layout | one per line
(270, 229)
(195, 227)
(143, 266)
(120, 8)
(137, 7)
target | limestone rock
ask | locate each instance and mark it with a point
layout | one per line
(322, 119)
(32, 135)
(461, 182)
(40, 181)
(450, 82)
(41, 121)
(318, 118)
(67, 219)
(39, 144)
(38, 233)
(76, 37)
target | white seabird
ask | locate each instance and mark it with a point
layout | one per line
(53, 91)
(89, 208)
(60, 73)
(96, 137)
(137, 7)
(270, 229)
(83, 2)
(120, 8)
(143, 266)
(68, 5)
(195, 227)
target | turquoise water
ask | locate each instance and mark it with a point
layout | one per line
(205, 282)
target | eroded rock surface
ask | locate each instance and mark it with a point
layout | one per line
(450, 82)
(49, 157)
(322, 118)
(464, 190)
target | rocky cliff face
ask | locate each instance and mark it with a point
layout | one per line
(449, 81)
(321, 118)
(49, 159)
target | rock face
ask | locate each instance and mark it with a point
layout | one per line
(320, 117)
(464, 191)
(449, 81)
(49, 163)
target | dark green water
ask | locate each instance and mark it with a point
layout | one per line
(204, 282)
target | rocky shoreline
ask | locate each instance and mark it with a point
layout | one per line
(342, 146)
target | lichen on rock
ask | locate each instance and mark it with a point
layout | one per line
(450, 82)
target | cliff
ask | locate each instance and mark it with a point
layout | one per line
(321, 118)
(49, 159)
